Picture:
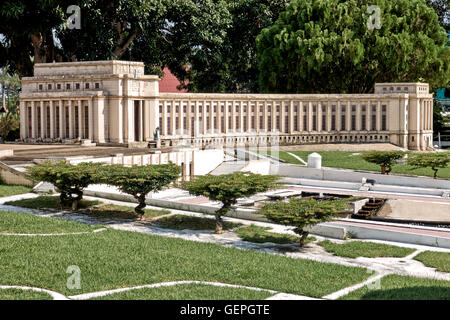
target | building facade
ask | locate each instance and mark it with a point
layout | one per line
(113, 102)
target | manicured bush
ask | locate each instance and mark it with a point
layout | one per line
(302, 212)
(138, 181)
(70, 180)
(385, 159)
(435, 161)
(228, 188)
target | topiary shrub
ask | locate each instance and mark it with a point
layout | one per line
(228, 188)
(70, 180)
(138, 181)
(302, 212)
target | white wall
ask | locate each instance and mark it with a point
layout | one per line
(295, 171)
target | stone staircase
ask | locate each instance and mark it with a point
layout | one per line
(369, 209)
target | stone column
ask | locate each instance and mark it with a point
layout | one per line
(181, 117)
(188, 118)
(348, 117)
(379, 116)
(226, 115)
(291, 117)
(329, 106)
(241, 117)
(338, 117)
(204, 117)
(265, 116)
(173, 119)
(33, 120)
(91, 122)
(358, 116)
(164, 131)
(211, 117)
(42, 119)
(274, 116)
(23, 120)
(61, 119)
(249, 116)
(80, 119)
(141, 121)
(282, 116)
(52, 120)
(70, 120)
(319, 116)
(310, 118)
(196, 120)
(300, 117)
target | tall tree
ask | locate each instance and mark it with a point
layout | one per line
(442, 8)
(27, 30)
(319, 46)
(235, 67)
(158, 32)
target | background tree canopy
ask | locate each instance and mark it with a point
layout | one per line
(319, 46)
(211, 46)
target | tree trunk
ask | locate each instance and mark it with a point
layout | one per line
(219, 223)
(75, 204)
(383, 170)
(38, 45)
(303, 237)
(76, 200)
(139, 209)
(435, 173)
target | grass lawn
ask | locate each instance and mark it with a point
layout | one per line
(438, 260)
(349, 160)
(181, 222)
(395, 287)
(113, 259)
(16, 294)
(258, 234)
(354, 249)
(122, 212)
(7, 190)
(15, 222)
(189, 292)
(48, 202)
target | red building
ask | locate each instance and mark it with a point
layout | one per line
(169, 82)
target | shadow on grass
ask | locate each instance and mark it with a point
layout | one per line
(181, 222)
(48, 202)
(259, 234)
(409, 293)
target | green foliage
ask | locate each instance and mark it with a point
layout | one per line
(319, 46)
(70, 180)
(235, 67)
(8, 124)
(9, 85)
(228, 188)
(258, 234)
(302, 212)
(138, 181)
(355, 249)
(49, 202)
(431, 160)
(188, 292)
(10, 190)
(438, 119)
(385, 159)
(181, 222)
(438, 260)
